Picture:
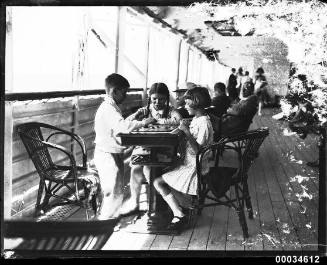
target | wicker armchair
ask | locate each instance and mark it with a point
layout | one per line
(217, 183)
(69, 184)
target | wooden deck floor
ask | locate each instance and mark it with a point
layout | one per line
(284, 193)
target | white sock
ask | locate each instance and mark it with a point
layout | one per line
(173, 204)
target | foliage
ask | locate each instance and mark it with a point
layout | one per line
(301, 25)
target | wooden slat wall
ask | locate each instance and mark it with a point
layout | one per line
(59, 113)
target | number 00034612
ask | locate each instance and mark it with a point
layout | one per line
(297, 259)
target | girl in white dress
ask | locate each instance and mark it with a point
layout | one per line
(183, 178)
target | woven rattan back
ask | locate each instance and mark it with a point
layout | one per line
(33, 140)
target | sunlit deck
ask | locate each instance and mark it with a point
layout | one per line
(284, 193)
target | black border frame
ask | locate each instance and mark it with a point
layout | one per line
(322, 250)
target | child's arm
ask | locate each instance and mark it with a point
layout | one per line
(140, 113)
(122, 125)
(202, 136)
(194, 144)
(173, 120)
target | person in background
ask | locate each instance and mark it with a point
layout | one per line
(220, 102)
(183, 178)
(247, 84)
(159, 108)
(239, 77)
(241, 115)
(231, 86)
(180, 105)
(260, 88)
(108, 154)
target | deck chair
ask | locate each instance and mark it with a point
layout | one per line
(57, 235)
(216, 184)
(69, 184)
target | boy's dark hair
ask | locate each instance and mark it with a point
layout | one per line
(116, 81)
(159, 88)
(200, 96)
(233, 70)
(220, 87)
(247, 73)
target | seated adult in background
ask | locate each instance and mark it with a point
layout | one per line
(247, 84)
(239, 117)
(180, 105)
(220, 102)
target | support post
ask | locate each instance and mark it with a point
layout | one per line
(322, 226)
(7, 183)
(187, 61)
(178, 62)
(8, 113)
(144, 95)
(120, 39)
(117, 39)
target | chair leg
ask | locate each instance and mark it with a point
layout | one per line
(247, 197)
(241, 215)
(201, 202)
(38, 206)
(47, 197)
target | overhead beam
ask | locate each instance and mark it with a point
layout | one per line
(150, 13)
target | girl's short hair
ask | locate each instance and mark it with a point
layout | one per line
(200, 97)
(190, 85)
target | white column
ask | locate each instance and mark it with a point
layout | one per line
(120, 39)
(187, 61)
(146, 71)
(8, 130)
(178, 61)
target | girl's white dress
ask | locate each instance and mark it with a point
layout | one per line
(183, 178)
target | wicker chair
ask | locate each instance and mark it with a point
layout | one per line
(216, 184)
(61, 183)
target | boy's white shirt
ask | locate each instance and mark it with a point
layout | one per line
(108, 123)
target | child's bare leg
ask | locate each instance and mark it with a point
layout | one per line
(163, 188)
(135, 186)
(146, 172)
(259, 108)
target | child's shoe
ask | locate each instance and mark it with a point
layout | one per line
(177, 226)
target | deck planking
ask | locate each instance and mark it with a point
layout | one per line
(282, 220)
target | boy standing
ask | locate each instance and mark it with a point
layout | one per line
(108, 154)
